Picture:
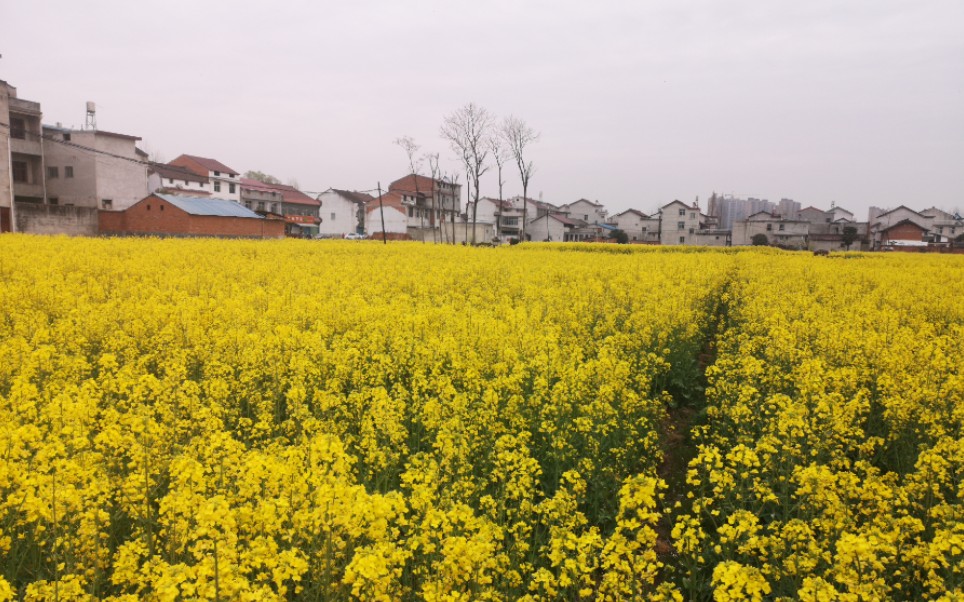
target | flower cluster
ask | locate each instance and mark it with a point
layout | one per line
(239, 420)
(832, 459)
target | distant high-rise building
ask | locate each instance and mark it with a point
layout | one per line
(729, 209)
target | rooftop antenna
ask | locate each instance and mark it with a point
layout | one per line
(91, 116)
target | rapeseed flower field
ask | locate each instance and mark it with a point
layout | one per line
(294, 420)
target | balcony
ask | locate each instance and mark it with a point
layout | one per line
(22, 189)
(28, 107)
(27, 146)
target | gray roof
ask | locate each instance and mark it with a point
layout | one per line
(198, 206)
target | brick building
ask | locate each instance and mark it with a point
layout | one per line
(171, 215)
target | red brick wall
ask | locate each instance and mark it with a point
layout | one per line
(904, 232)
(156, 216)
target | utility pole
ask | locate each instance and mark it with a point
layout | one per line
(381, 210)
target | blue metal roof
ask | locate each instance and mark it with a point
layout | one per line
(201, 206)
(607, 227)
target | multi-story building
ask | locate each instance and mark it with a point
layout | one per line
(429, 206)
(21, 154)
(93, 168)
(680, 222)
(585, 210)
(300, 211)
(945, 227)
(224, 182)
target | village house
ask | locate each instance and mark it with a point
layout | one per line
(680, 222)
(176, 215)
(387, 217)
(882, 233)
(585, 210)
(428, 206)
(171, 179)
(223, 182)
(552, 227)
(779, 232)
(639, 227)
(944, 227)
(342, 212)
(93, 168)
(504, 216)
(299, 211)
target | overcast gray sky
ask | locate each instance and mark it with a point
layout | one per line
(859, 102)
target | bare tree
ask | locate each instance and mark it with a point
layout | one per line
(407, 143)
(500, 154)
(518, 135)
(467, 130)
(434, 170)
(261, 177)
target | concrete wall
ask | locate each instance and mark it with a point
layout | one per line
(6, 178)
(339, 216)
(34, 218)
(96, 177)
(538, 231)
(396, 222)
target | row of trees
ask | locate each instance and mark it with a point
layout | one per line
(479, 140)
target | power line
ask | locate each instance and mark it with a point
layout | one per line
(78, 146)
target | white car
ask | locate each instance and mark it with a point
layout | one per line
(354, 236)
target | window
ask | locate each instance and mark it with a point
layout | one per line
(217, 173)
(69, 171)
(185, 182)
(692, 230)
(53, 173)
(231, 188)
(106, 204)
(260, 205)
(680, 225)
(332, 216)
(692, 216)
(682, 211)
(53, 200)
(781, 227)
(162, 207)
(682, 240)
(769, 227)
(217, 187)
(170, 180)
(66, 136)
(19, 171)
(411, 212)
(247, 204)
(18, 128)
(148, 206)
(202, 184)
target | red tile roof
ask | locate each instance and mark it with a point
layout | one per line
(355, 197)
(389, 199)
(189, 161)
(407, 184)
(175, 172)
(289, 194)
